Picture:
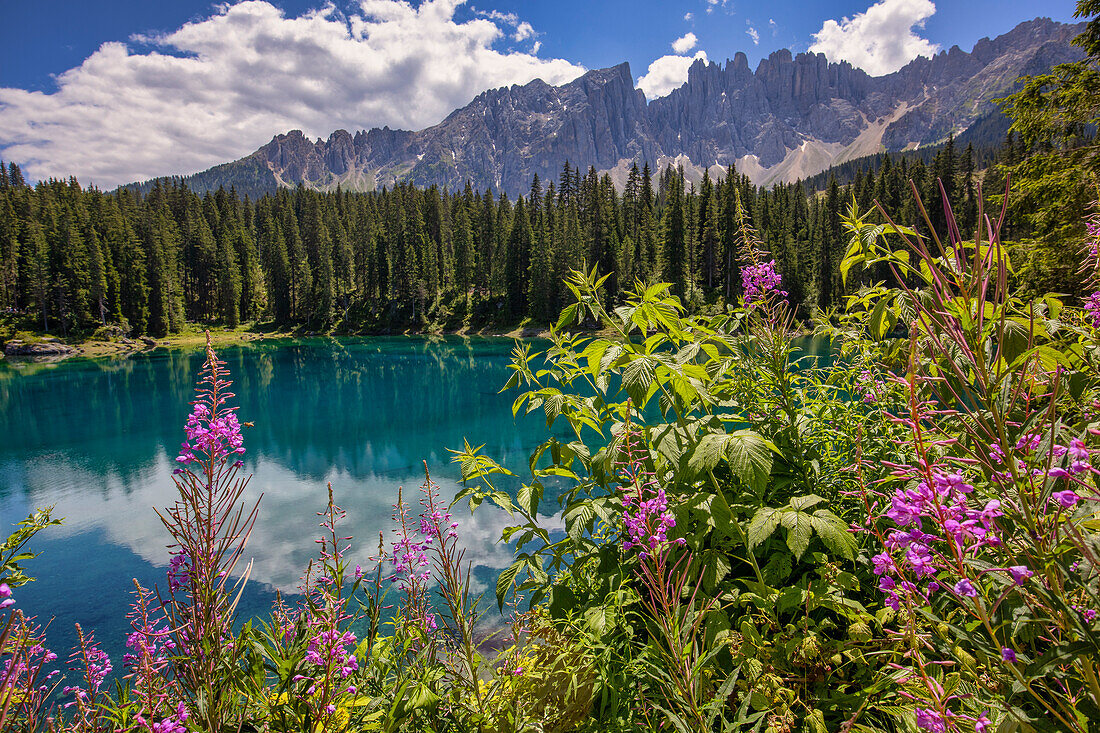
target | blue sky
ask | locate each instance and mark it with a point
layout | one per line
(182, 85)
(48, 37)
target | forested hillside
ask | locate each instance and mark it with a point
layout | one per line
(74, 258)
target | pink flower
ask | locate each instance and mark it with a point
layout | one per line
(1080, 455)
(1020, 573)
(1092, 307)
(930, 720)
(1067, 498)
(965, 588)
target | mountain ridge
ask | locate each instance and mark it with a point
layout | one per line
(792, 117)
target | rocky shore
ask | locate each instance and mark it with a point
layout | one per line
(45, 348)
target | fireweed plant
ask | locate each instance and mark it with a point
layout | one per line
(987, 527)
(26, 680)
(670, 606)
(209, 528)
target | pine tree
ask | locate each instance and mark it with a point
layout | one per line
(517, 261)
(97, 274)
(463, 242)
(673, 260)
(36, 268)
(9, 249)
(318, 246)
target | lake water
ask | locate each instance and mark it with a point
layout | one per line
(97, 439)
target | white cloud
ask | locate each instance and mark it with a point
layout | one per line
(282, 541)
(218, 88)
(753, 35)
(523, 31)
(774, 26)
(689, 17)
(667, 73)
(684, 43)
(509, 18)
(881, 39)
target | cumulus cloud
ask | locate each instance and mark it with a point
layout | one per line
(218, 88)
(667, 73)
(684, 43)
(689, 17)
(881, 39)
(753, 35)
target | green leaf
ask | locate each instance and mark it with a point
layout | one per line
(568, 316)
(799, 531)
(834, 533)
(505, 580)
(763, 524)
(528, 498)
(748, 453)
(802, 503)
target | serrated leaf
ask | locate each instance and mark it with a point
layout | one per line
(763, 524)
(568, 316)
(834, 533)
(799, 531)
(505, 580)
(749, 456)
(802, 503)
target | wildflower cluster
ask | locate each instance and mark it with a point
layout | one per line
(95, 665)
(1067, 462)
(330, 647)
(151, 646)
(24, 683)
(209, 526)
(761, 282)
(937, 526)
(646, 516)
(210, 436)
(179, 570)
(873, 388)
(411, 566)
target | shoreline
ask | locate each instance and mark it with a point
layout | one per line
(220, 337)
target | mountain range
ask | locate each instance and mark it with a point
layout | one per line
(792, 117)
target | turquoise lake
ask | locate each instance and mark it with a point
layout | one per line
(97, 440)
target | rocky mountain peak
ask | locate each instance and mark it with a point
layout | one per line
(792, 117)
